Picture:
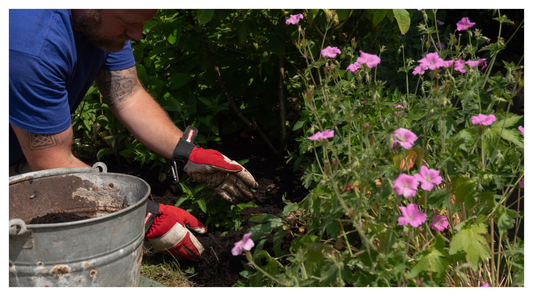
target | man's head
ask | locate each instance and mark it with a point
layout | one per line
(109, 29)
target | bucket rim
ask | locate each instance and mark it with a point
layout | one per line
(96, 219)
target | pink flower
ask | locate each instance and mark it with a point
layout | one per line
(464, 24)
(483, 119)
(418, 71)
(354, 67)
(522, 183)
(459, 66)
(439, 223)
(521, 128)
(440, 23)
(485, 285)
(432, 61)
(245, 244)
(411, 216)
(322, 135)
(405, 138)
(364, 101)
(448, 64)
(428, 177)
(294, 19)
(371, 60)
(405, 185)
(482, 62)
(399, 107)
(330, 52)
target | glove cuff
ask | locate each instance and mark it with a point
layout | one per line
(152, 211)
(186, 144)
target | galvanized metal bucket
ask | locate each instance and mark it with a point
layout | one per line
(103, 250)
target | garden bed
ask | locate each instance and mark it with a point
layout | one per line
(219, 268)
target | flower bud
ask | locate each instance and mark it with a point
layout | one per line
(308, 95)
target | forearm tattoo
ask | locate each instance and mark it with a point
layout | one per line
(117, 86)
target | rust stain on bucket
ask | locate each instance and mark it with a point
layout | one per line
(60, 270)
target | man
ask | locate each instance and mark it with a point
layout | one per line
(54, 57)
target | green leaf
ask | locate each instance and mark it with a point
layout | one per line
(141, 73)
(261, 230)
(204, 15)
(472, 243)
(342, 13)
(249, 204)
(379, 15)
(178, 80)
(265, 56)
(311, 14)
(173, 31)
(278, 237)
(435, 260)
(201, 204)
(416, 114)
(198, 188)
(513, 136)
(207, 102)
(289, 208)
(181, 200)
(265, 218)
(437, 199)
(487, 202)
(403, 19)
(186, 189)
(102, 152)
(243, 33)
(464, 189)
(506, 220)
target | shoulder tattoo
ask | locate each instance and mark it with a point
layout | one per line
(117, 86)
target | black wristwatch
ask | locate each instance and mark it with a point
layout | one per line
(183, 149)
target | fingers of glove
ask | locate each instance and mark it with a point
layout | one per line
(212, 180)
(170, 216)
(184, 217)
(179, 242)
(248, 179)
(210, 157)
(225, 196)
(235, 186)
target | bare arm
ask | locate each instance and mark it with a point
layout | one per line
(138, 111)
(47, 151)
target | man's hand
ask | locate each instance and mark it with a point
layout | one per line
(226, 177)
(168, 231)
(231, 181)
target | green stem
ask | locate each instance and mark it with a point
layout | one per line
(251, 262)
(346, 239)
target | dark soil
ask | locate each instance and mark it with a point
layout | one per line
(57, 218)
(218, 267)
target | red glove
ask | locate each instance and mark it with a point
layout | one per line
(226, 177)
(167, 230)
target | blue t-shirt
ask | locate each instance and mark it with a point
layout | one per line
(51, 67)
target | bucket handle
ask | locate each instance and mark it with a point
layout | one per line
(98, 167)
(17, 227)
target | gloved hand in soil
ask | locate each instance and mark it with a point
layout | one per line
(226, 177)
(167, 229)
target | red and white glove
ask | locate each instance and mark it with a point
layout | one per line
(167, 229)
(226, 177)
